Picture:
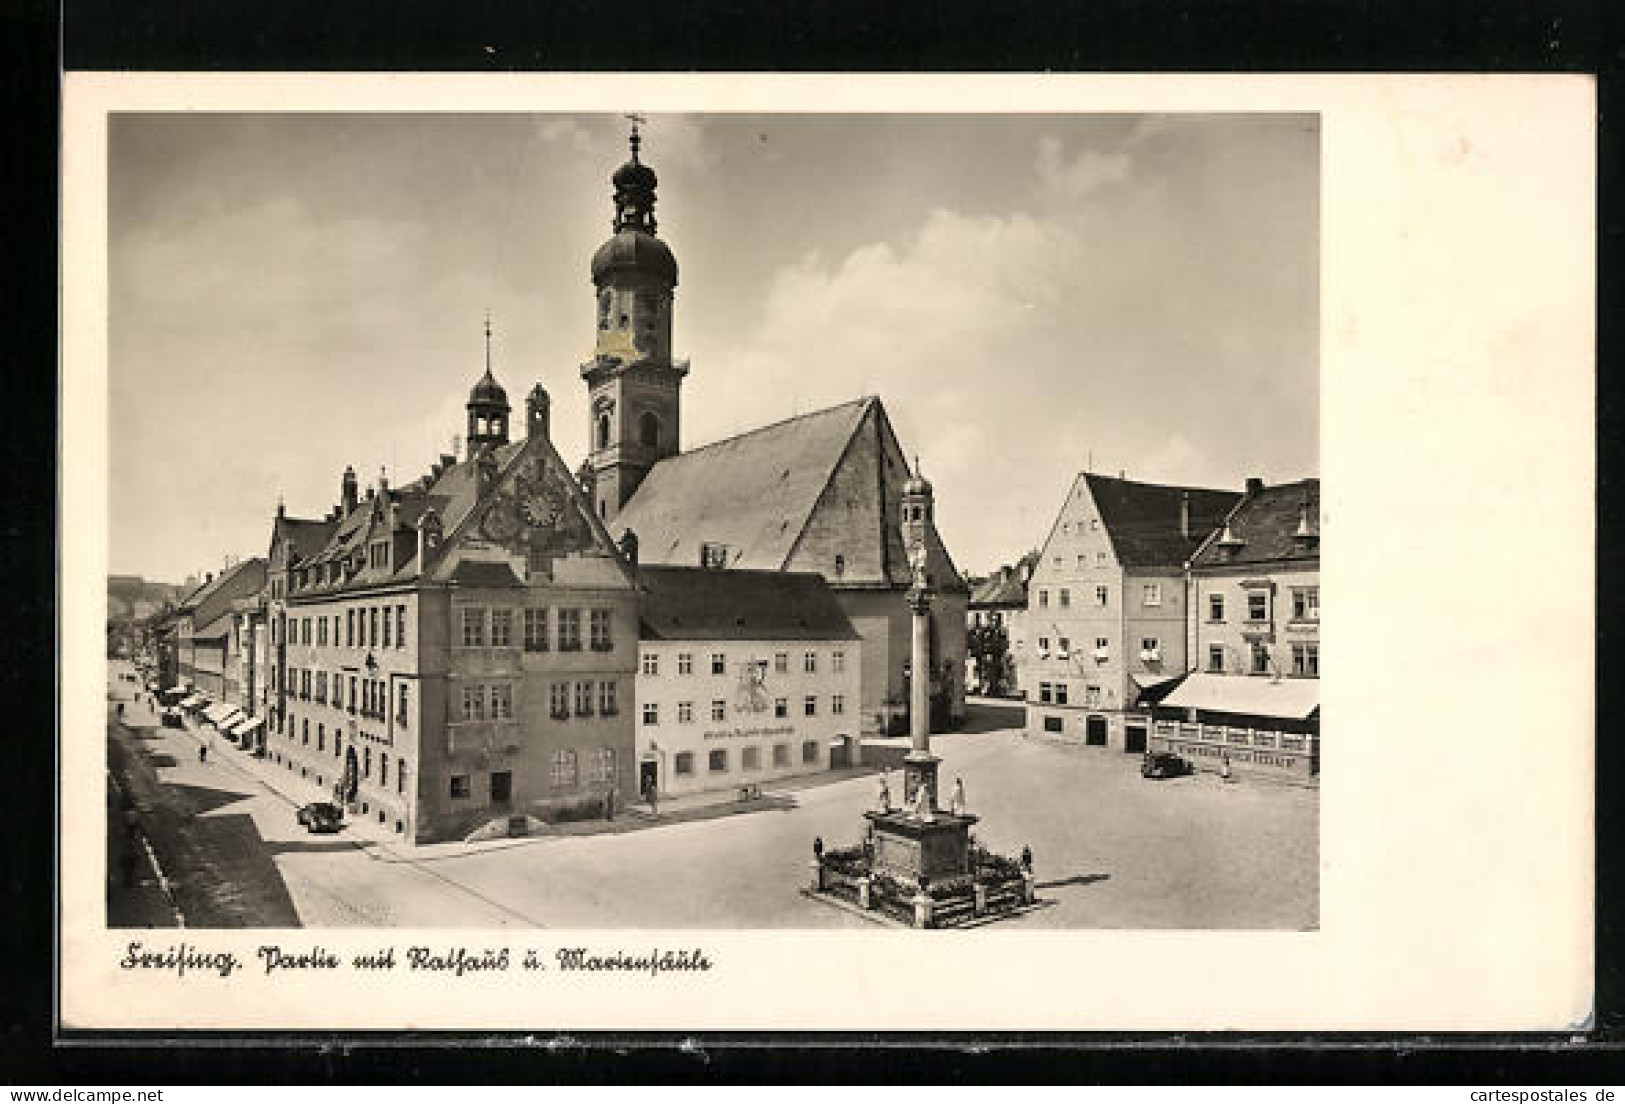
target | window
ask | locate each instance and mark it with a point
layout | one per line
(1043, 599)
(1306, 660)
(1043, 647)
(1258, 606)
(809, 705)
(387, 633)
(400, 778)
(366, 762)
(1060, 693)
(349, 628)
(321, 631)
(837, 662)
(1152, 595)
(1215, 658)
(304, 631)
(536, 630)
(651, 663)
(1083, 561)
(1149, 647)
(1306, 603)
(1052, 724)
(501, 628)
(1091, 695)
(563, 771)
(606, 699)
(1045, 692)
(459, 785)
(352, 694)
(809, 751)
(474, 703)
(781, 663)
(383, 768)
(719, 710)
(502, 702)
(840, 565)
(599, 625)
(1063, 648)
(304, 731)
(569, 630)
(685, 712)
(372, 635)
(1066, 598)
(781, 707)
(651, 713)
(751, 758)
(713, 555)
(321, 737)
(402, 707)
(717, 761)
(809, 663)
(601, 768)
(685, 663)
(1261, 660)
(1215, 607)
(583, 699)
(719, 663)
(683, 763)
(473, 628)
(400, 626)
(837, 704)
(1102, 595)
(558, 701)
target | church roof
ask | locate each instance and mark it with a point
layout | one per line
(694, 603)
(1143, 519)
(752, 493)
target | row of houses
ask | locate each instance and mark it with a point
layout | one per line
(1170, 618)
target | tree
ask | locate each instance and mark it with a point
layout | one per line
(989, 646)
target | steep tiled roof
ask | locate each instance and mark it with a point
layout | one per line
(237, 581)
(1143, 519)
(753, 493)
(1006, 586)
(692, 603)
(1265, 522)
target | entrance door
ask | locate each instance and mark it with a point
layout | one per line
(501, 787)
(1094, 731)
(839, 757)
(1134, 740)
(648, 777)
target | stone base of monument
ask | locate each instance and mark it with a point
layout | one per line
(922, 872)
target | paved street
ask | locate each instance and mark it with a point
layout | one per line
(1111, 849)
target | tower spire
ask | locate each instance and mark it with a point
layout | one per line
(634, 140)
(488, 341)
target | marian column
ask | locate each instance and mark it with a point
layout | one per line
(919, 766)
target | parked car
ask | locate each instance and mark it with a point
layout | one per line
(321, 816)
(1163, 764)
(171, 718)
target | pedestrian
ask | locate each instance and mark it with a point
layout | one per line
(885, 793)
(1224, 767)
(203, 753)
(121, 711)
(958, 800)
(652, 792)
(609, 804)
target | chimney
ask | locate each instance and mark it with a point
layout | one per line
(208, 577)
(629, 548)
(347, 490)
(538, 409)
(447, 459)
(383, 482)
(1185, 515)
(1255, 485)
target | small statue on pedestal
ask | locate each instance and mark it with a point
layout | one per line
(957, 802)
(885, 793)
(922, 803)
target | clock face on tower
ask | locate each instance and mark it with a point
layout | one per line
(539, 507)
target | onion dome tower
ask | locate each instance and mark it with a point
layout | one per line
(633, 384)
(488, 407)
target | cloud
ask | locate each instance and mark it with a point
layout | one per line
(1074, 179)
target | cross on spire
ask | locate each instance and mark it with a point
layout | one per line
(488, 341)
(634, 140)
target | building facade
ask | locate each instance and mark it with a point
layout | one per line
(1000, 601)
(1252, 701)
(819, 493)
(458, 651)
(1107, 607)
(745, 678)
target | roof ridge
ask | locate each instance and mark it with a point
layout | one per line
(863, 400)
(1161, 486)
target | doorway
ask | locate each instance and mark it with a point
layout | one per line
(1094, 731)
(501, 787)
(648, 777)
(1134, 740)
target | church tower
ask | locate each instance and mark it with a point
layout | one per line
(633, 384)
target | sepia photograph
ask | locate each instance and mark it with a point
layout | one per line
(722, 521)
(805, 553)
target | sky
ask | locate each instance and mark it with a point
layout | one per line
(1031, 295)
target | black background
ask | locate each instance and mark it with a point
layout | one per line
(37, 39)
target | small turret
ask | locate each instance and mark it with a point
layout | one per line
(538, 412)
(348, 490)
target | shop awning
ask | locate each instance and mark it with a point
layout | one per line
(194, 701)
(247, 725)
(1258, 696)
(216, 711)
(1154, 687)
(228, 718)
